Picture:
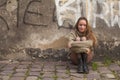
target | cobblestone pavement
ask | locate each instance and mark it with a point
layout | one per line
(56, 70)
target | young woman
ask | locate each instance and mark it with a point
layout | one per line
(81, 42)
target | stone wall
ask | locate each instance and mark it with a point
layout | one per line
(43, 24)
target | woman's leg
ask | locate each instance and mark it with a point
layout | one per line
(80, 63)
(90, 57)
(74, 58)
(84, 59)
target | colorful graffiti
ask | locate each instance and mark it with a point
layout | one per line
(108, 11)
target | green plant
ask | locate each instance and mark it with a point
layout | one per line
(55, 77)
(67, 72)
(107, 61)
(40, 78)
(26, 74)
(94, 66)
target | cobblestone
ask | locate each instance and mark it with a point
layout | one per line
(19, 74)
(104, 70)
(17, 78)
(55, 70)
(31, 78)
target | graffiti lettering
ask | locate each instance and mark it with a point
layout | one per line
(62, 8)
(4, 22)
(114, 18)
(39, 18)
(102, 14)
(2, 4)
(107, 12)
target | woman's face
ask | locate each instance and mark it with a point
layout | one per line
(82, 25)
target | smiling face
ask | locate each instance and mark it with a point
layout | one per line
(82, 25)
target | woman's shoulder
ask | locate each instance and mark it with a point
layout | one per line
(71, 34)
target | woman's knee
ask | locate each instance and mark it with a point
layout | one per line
(90, 57)
(74, 57)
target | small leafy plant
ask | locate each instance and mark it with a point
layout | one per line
(55, 77)
(107, 61)
(94, 66)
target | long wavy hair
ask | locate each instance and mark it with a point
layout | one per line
(88, 32)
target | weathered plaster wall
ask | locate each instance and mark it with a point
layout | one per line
(44, 23)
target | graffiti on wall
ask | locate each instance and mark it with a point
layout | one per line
(1, 17)
(108, 11)
(36, 12)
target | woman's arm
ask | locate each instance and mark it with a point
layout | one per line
(87, 43)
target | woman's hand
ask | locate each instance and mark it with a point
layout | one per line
(88, 50)
(83, 38)
(77, 39)
(69, 45)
